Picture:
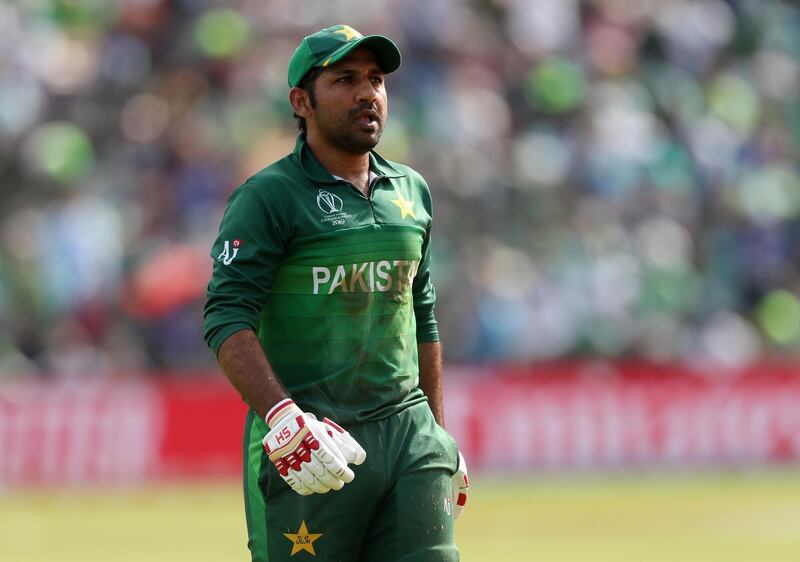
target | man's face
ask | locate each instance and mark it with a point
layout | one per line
(351, 105)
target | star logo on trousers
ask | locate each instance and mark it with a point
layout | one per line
(303, 540)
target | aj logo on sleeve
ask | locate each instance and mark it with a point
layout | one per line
(226, 257)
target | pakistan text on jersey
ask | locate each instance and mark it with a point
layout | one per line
(367, 277)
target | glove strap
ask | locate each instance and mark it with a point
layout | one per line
(280, 411)
(333, 424)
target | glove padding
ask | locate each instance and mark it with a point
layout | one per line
(460, 482)
(304, 454)
(349, 447)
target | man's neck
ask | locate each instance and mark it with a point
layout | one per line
(353, 168)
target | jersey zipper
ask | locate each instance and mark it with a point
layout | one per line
(372, 189)
(371, 193)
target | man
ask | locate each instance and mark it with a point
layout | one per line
(320, 311)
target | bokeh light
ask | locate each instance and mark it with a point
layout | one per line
(61, 150)
(779, 314)
(22, 101)
(222, 33)
(556, 85)
(64, 64)
(144, 118)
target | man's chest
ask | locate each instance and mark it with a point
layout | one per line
(319, 210)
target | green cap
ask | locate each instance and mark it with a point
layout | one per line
(331, 44)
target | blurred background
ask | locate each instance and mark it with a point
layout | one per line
(616, 254)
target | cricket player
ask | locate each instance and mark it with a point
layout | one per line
(320, 312)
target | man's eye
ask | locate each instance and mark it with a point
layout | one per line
(344, 79)
(377, 80)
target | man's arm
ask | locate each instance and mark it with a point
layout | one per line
(430, 381)
(430, 377)
(310, 455)
(243, 360)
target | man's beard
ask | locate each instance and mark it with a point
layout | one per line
(346, 135)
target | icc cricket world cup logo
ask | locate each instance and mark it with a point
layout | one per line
(328, 202)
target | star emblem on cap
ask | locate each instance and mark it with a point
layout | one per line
(349, 33)
(302, 540)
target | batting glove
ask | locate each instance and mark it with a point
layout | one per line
(349, 447)
(460, 482)
(304, 454)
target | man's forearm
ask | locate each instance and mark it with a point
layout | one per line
(430, 377)
(246, 366)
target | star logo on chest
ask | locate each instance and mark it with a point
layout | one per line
(303, 540)
(406, 206)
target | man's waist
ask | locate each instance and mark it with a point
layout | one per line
(367, 409)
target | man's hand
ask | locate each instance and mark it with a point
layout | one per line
(460, 483)
(304, 454)
(349, 447)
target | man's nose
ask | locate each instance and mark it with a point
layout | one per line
(366, 91)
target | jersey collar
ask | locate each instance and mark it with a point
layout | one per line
(317, 173)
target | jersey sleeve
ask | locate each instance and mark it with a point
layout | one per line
(252, 238)
(422, 288)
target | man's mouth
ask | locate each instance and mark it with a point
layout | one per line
(368, 119)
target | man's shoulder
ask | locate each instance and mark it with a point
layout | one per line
(392, 168)
(276, 175)
(270, 185)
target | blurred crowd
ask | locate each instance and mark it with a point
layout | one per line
(611, 178)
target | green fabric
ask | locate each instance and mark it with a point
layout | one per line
(329, 45)
(336, 285)
(255, 465)
(397, 507)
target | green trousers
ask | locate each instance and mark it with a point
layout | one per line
(398, 508)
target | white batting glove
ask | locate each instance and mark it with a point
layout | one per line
(304, 454)
(460, 483)
(349, 447)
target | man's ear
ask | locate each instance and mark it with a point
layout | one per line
(301, 103)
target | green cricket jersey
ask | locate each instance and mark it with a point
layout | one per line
(335, 284)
